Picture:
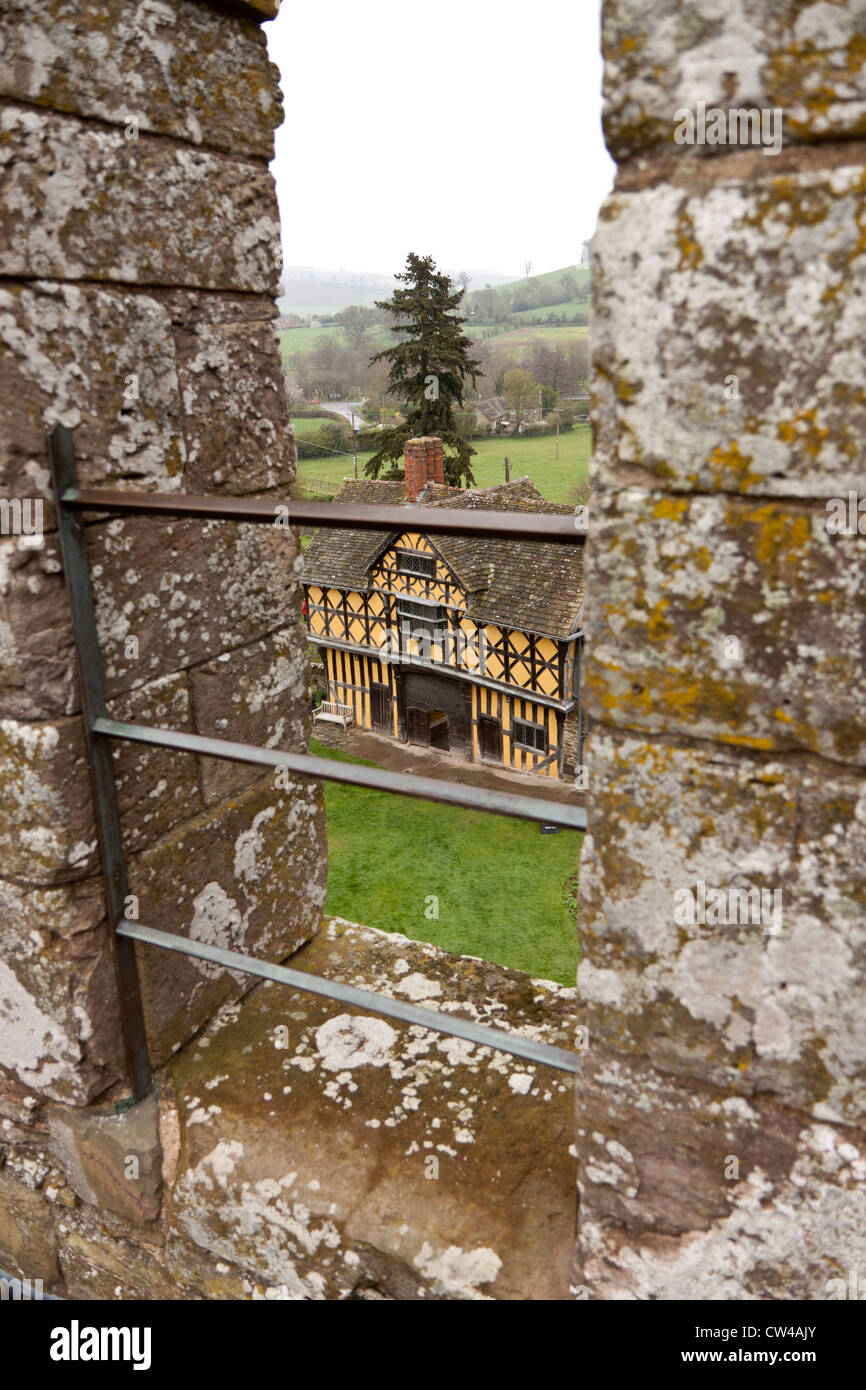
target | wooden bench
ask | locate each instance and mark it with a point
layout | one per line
(334, 713)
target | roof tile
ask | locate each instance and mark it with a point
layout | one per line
(533, 585)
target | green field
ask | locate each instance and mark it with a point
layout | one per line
(499, 883)
(304, 340)
(294, 341)
(571, 306)
(308, 429)
(581, 274)
(520, 340)
(535, 457)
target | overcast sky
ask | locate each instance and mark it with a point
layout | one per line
(466, 129)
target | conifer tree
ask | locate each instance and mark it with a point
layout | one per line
(428, 368)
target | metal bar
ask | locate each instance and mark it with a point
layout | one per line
(383, 1004)
(446, 521)
(61, 454)
(375, 778)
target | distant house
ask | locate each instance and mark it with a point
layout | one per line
(490, 412)
(579, 401)
(494, 412)
(467, 644)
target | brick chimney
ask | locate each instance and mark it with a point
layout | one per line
(425, 463)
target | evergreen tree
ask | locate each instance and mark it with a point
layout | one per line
(428, 369)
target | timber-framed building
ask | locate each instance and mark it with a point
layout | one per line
(469, 645)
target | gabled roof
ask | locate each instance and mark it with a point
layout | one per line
(492, 409)
(533, 585)
(342, 558)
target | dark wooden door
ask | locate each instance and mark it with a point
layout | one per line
(417, 725)
(380, 708)
(447, 696)
(490, 738)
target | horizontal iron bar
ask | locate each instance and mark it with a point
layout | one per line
(330, 770)
(446, 521)
(368, 999)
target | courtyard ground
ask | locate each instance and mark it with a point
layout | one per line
(467, 881)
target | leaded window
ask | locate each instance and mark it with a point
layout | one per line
(421, 618)
(526, 735)
(415, 562)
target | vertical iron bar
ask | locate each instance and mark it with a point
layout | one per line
(579, 679)
(61, 454)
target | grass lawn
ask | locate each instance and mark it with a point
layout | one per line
(581, 274)
(570, 306)
(521, 340)
(499, 882)
(308, 429)
(303, 340)
(535, 457)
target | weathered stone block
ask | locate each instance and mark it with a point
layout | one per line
(47, 824)
(102, 362)
(766, 1001)
(21, 1112)
(183, 69)
(46, 827)
(28, 1247)
(248, 875)
(37, 670)
(687, 1192)
(186, 591)
(805, 56)
(113, 1161)
(152, 798)
(100, 196)
(254, 694)
(322, 1150)
(99, 1261)
(59, 1022)
(730, 619)
(234, 397)
(728, 333)
(164, 389)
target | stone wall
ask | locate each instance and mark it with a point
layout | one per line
(139, 250)
(308, 1152)
(288, 1149)
(721, 1109)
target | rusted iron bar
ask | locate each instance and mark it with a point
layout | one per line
(99, 729)
(354, 774)
(446, 521)
(61, 455)
(370, 1000)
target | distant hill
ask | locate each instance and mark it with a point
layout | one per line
(553, 277)
(308, 290)
(550, 278)
(534, 299)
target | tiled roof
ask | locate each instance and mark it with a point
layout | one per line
(493, 408)
(341, 557)
(533, 585)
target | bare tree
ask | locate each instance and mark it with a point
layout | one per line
(520, 390)
(577, 355)
(294, 395)
(356, 322)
